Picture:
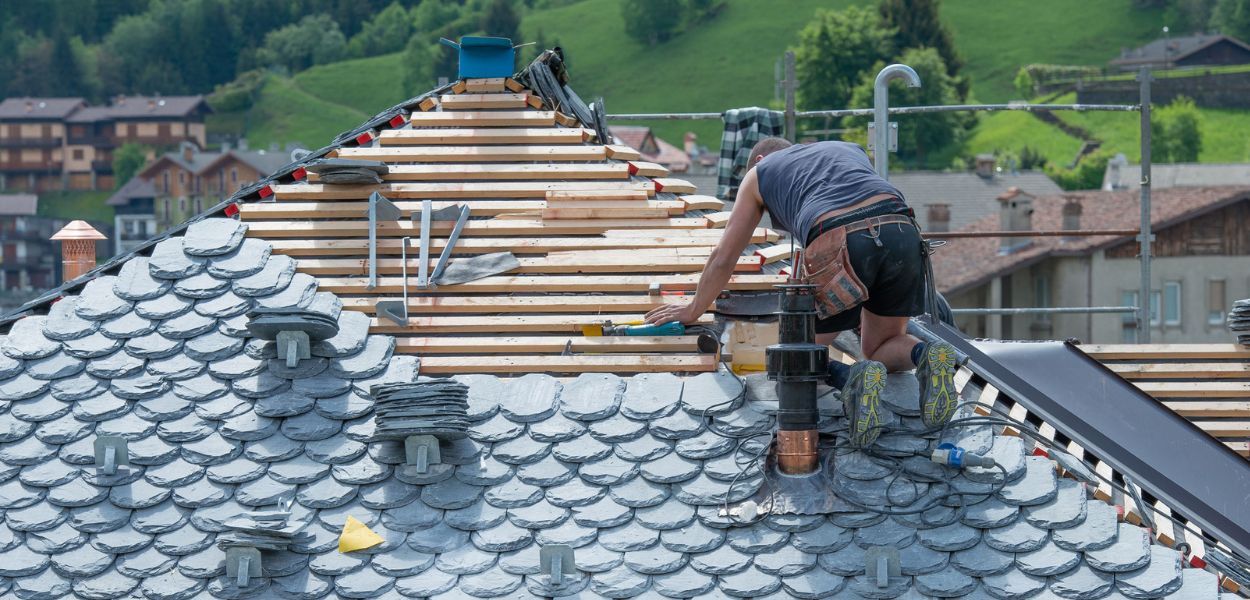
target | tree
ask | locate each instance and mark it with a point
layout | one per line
(419, 65)
(388, 31)
(127, 160)
(1025, 86)
(502, 20)
(1086, 175)
(918, 135)
(1185, 16)
(652, 21)
(1176, 132)
(1232, 17)
(432, 16)
(834, 51)
(313, 40)
(917, 24)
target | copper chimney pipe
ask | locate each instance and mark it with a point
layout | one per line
(77, 248)
(797, 363)
(797, 452)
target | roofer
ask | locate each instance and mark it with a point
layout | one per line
(863, 251)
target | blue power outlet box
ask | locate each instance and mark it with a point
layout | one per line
(484, 57)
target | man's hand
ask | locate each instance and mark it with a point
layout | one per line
(682, 313)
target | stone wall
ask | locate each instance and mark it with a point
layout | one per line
(1221, 90)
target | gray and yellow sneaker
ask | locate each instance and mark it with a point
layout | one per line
(936, 372)
(862, 399)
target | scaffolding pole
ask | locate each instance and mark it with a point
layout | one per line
(1145, 237)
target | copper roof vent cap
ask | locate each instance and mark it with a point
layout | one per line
(78, 230)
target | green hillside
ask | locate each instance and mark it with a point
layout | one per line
(729, 62)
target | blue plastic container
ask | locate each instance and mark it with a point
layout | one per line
(484, 57)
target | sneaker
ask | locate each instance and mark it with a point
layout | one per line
(936, 373)
(862, 399)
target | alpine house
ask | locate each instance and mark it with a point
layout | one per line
(157, 442)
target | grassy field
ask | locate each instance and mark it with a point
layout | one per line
(368, 85)
(87, 206)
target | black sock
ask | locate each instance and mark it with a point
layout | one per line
(839, 373)
(917, 351)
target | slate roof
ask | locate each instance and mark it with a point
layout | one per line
(630, 472)
(661, 151)
(964, 263)
(1128, 177)
(19, 204)
(1173, 49)
(136, 188)
(38, 109)
(970, 196)
(142, 107)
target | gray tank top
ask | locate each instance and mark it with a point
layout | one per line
(804, 181)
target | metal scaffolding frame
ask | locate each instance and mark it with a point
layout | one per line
(880, 137)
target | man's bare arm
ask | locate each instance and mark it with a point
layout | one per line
(747, 211)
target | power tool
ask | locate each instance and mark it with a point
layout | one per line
(634, 328)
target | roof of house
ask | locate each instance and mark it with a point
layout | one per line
(970, 196)
(968, 262)
(43, 109)
(137, 187)
(265, 162)
(635, 137)
(19, 204)
(1173, 48)
(631, 472)
(1124, 176)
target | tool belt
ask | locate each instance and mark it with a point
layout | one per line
(827, 265)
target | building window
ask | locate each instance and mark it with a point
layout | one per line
(77, 153)
(182, 205)
(199, 205)
(234, 175)
(1128, 322)
(167, 204)
(1172, 303)
(1216, 290)
(182, 178)
(165, 184)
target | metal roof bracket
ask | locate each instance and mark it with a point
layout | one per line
(293, 346)
(397, 311)
(380, 209)
(882, 563)
(242, 564)
(554, 560)
(423, 258)
(110, 452)
(445, 256)
(421, 451)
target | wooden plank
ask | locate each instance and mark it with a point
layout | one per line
(527, 118)
(521, 304)
(498, 171)
(484, 85)
(1234, 429)
(459, 87)
(534, 101)
(694, 201)
(718, 220)
(674, 186)
(476, 189)
(648, 169)
(427, 104)
(529, 245)
(480, 101)
(544, 344)
(512, 85)
(610, 284)
(479, 208)
(623, 152)
(1195, 389)
(595, 262)
(458, 154)
(493, 227)
(614, 363)
(643, 212)
(1133, 371)
(1207, 410)
(1165, 351)
(460, 324)
(774, 253)
(483, 136)
(595, 195)
(567, 120)
(769, 234)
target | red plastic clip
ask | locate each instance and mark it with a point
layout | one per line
(299, 174)
(397, 121)
(1196, 562)
(363, 139)
(1040, 451)
(659, 187)
(633, 170)
(231, 209)
(266, 191)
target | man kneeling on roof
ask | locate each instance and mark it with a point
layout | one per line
(864, 253)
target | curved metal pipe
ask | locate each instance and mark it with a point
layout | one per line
(880, 112)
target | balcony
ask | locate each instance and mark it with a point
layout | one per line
(31, 142)
(96, 141)
(102, 166)
(30, 167)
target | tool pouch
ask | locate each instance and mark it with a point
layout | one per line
(827, 265)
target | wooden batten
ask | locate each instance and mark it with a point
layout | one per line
(608, 262)
(597, 195)
(484, 101)
(520, 246)
(460, 154)
(648, 169)
(608, 284)
(772, 254)
(501, 172)
(420, 325)
(483, 135)
(483, 86)
(546, 344)
(513, 85)
(674, 186)
(588, 303)
(526, 118)
(695, 202)
(485, 227)
(623, 152)
(717, 220)
(479, 208)
(589, 363)
(472, 189)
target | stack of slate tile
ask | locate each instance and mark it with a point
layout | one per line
(245, 532)
(1239, 321)
(437, 408)
(265, 323)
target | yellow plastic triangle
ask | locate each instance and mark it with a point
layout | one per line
(357, 536)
